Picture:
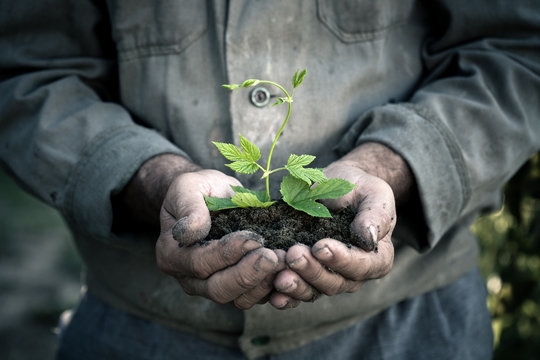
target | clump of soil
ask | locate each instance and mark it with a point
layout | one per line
(282, 226)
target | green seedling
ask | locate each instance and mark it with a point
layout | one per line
(297, 187)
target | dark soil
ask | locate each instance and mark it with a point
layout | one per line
(281, 226)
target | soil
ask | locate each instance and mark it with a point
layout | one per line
(282, 226)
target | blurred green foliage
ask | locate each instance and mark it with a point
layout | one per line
(510, 261)
(39, 274)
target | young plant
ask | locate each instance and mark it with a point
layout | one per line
(297, 187)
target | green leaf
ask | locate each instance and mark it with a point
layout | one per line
(308, 175)
(298, 77)
(244, 161)
(295, 166)
(246, 200)
(250, 82)
(243, 166)
(296, 193)
(250, 150)
(229, 151)
(231, 86)
(261, 195)
(279, 101)
(302, 160)
(299, 195)
(332, 189)
(242, 198)
(215, 204)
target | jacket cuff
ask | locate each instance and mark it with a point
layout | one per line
(433, 155)
(106, 167)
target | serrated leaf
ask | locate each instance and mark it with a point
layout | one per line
(298, 78)
(250, 150)
(332, 189)
(302, 160)
(295, 166)
(243, 166)
(216, 204)
(261, 195)
(300, 196)
(229, 151)
(308, 175)
(231, 86)
(247, 199)
(296, 193)
(250, 82)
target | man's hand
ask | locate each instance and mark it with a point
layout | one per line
(330, 267)
(168, 190)
(234, 268)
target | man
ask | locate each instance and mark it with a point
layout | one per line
(108, 111)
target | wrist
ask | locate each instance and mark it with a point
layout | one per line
(142, 197)
(379, 160)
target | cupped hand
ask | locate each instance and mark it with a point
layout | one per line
(331, 267)
(236, 268)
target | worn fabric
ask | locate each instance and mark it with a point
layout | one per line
(435, 325)
(92, 89)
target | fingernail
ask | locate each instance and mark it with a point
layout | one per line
(180, 228)
(289, 287)
(265, 264)
(283, 305)
(323, 253)
(298, 263)
(373, 232)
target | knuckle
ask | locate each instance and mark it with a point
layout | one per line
(189, 290)
(243, 303)
(247, 281)
(200, 273)
(331, 291)
(199, 268)
(386, 269)
(355, 287)
(218, 296)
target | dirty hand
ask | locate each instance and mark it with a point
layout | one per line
(330, 267)
(236, 268)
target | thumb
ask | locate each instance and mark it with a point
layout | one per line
(375, 216)
(192, 218)
(187, 208)
(191, 229)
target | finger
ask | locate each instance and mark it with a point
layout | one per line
(193, 228)
(316, 275)
(201, 261)
(257, 295)
(353, 263)
(291, 284)
(226, 285)
(185, 201)
(287, 280)
(375, 217)
(261, 293)
(282, 301)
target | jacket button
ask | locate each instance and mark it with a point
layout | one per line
(260, 96)
(261, 340)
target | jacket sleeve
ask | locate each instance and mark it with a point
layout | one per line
(474, 120)
(62, 133)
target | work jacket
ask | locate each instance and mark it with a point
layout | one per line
(90, 90)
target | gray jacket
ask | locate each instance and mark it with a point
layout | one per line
(92, 89)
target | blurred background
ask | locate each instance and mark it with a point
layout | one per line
(40, 270)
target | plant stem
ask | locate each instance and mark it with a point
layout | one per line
(289, 101)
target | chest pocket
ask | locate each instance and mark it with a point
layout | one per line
(363, 20)
(156, 27)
